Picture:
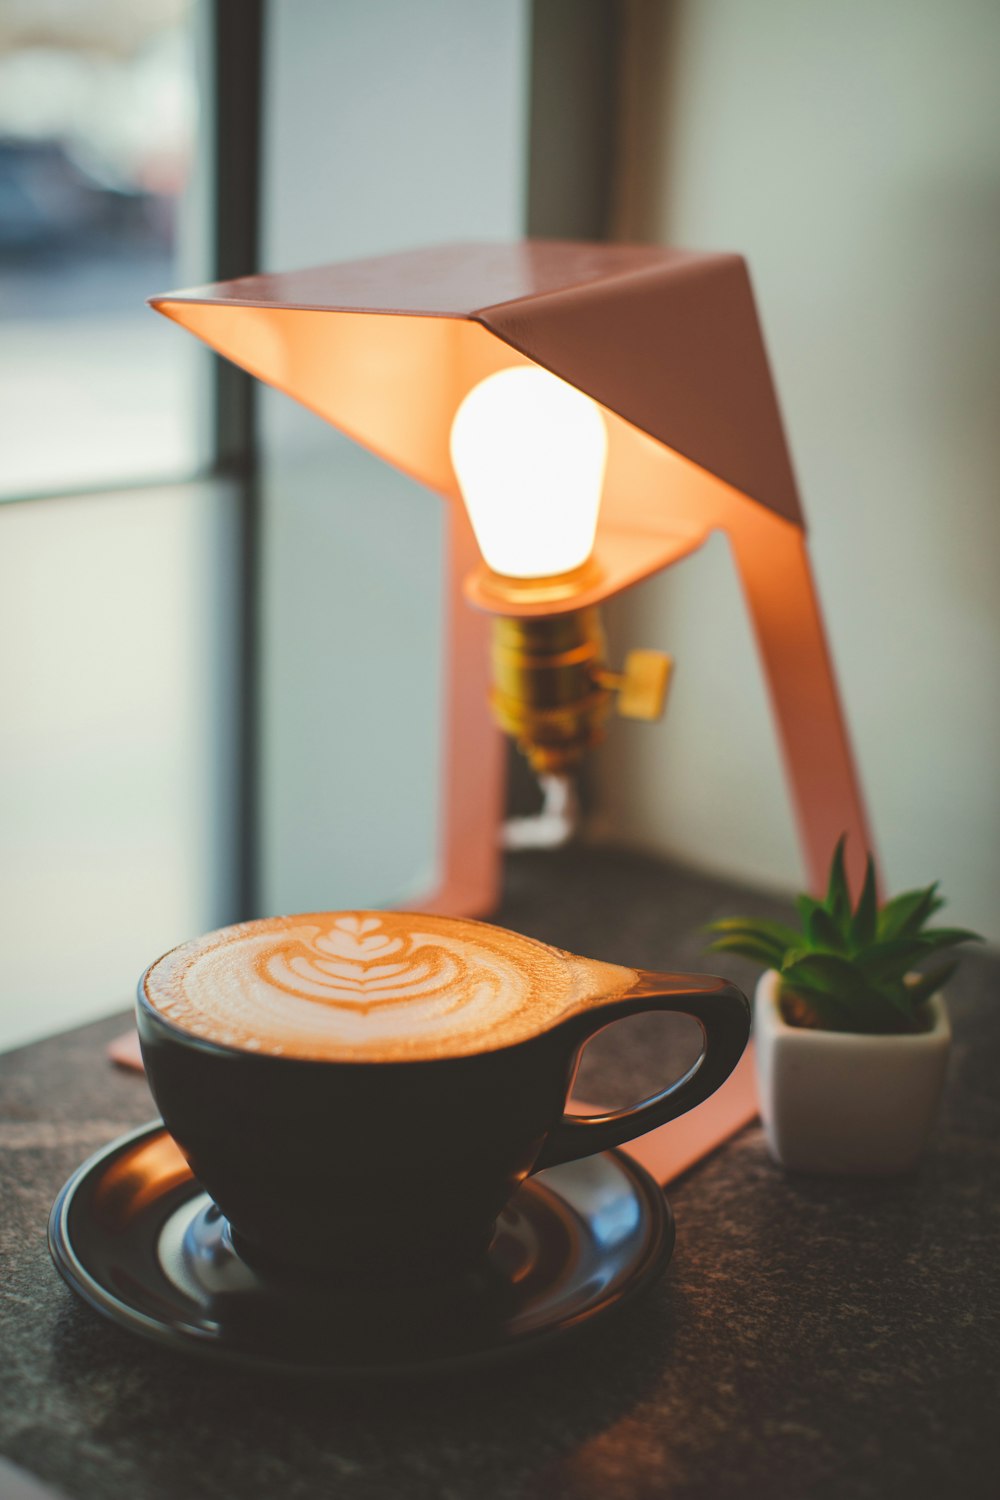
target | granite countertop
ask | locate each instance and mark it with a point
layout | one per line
(811, 1338)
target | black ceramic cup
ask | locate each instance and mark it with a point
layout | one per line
(360, 1167)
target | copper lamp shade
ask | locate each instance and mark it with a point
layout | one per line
(668, 343)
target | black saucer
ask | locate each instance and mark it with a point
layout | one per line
(135, 1236)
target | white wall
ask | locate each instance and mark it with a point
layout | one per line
(387, 126)
(852, 153)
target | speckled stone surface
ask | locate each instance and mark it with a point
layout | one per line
(811, 1338)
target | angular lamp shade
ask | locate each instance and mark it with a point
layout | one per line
(665, 341)
(668, 345)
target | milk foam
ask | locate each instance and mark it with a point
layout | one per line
(370, 986)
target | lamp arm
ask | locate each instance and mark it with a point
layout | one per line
(773, 563)
(472, 774)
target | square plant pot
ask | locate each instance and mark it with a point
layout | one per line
(847, 1102)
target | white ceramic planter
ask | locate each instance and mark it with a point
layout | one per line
(835, 1101)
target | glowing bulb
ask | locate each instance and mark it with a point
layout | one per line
(529, 453)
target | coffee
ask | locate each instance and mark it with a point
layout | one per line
(371, 986)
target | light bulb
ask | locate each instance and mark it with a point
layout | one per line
(529, 452)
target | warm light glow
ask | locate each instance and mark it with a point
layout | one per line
(529, 453)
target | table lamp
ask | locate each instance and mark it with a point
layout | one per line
(592, 413)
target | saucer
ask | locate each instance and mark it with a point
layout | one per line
(133, 1233)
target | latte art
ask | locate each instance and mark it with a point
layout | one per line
(371, 986)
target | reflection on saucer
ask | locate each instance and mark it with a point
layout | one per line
(133, 1233)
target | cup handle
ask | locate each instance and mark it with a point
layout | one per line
(723, 1013)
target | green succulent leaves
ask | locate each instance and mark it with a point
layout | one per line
(855, 967)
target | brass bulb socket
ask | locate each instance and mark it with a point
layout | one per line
(547, 693)
(498, 590)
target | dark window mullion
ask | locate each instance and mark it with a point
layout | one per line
(236, 73)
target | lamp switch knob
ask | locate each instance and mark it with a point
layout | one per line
(642, 689)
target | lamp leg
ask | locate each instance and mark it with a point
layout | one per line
(472, 752)
(773, 563)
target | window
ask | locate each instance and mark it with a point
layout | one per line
(98, 111)
(133, 645)
(119, 651)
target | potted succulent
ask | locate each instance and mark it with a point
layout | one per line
(852, 1037)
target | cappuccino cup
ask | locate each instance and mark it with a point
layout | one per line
(361, 1093)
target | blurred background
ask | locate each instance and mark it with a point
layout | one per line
(215, 612)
